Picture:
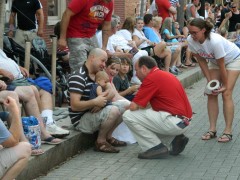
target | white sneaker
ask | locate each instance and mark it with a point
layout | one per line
(56, 131)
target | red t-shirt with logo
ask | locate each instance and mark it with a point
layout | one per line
(164, 92)
(163, 6)
(89, 14)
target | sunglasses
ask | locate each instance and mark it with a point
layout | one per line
(234, 7)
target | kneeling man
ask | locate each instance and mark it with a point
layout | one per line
(160, 112)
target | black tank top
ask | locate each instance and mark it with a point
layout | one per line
(233, 21)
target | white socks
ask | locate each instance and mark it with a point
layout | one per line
(49, 114)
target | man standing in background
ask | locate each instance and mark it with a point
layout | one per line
(30, 20)
(78, 28)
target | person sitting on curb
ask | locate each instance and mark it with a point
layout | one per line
(18, 77)
(91, 115)
(14, 153)
(161, 126)
(31, 108)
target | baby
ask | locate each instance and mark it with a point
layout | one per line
(102, 85)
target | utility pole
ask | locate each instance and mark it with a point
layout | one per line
(180, 14)
(142, 7)
(2, 21)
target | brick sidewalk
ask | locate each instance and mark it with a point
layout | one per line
(200, 160)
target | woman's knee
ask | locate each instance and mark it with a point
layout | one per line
(227, 95)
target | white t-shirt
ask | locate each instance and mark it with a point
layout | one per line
(125, 33)
(141, 35)
(117, 40)
(215, 48)
(10, 65)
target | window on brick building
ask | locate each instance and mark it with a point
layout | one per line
(55, 10)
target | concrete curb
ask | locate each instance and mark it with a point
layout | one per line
(190, 77)
(77, 142)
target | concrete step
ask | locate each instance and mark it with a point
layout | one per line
(78, 142)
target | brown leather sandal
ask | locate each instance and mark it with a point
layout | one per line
(116, 143)
(105, 147)
(209, 135)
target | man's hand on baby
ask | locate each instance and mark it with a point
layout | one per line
(100, 101)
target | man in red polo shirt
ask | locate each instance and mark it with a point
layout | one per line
(160, 126)
(165, 9)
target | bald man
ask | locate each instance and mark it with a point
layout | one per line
(89, 116)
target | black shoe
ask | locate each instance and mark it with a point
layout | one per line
(178, 144)
(157, 152)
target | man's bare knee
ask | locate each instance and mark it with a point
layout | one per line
(4, 94)
(24, 149)
(114, 113)
(25, 93)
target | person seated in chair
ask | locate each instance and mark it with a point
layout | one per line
(151, 31)
(154, 49)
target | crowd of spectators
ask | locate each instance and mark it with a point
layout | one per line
(126, 47)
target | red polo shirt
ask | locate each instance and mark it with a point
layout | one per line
(164, 92)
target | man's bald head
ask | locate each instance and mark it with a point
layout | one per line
(96, 60)
(96, 52)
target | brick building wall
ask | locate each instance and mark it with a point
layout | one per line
(48, 30)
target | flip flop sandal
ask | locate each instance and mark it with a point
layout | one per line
(116, 143)
(209, 135)
(190, 65)
(50, 140)
(37, 152)
(105, 147)
(181, 66)
(225, 138)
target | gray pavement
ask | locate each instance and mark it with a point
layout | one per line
(205, 160)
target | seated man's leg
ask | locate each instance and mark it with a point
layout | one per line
(27, 95)
(3, 96)
(104, 121)
(44, 98)
(14, 160)
(5, 93)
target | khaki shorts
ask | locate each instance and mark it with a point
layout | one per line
(8, 157)
(90, 122)
(235, 65)
(21, 36)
